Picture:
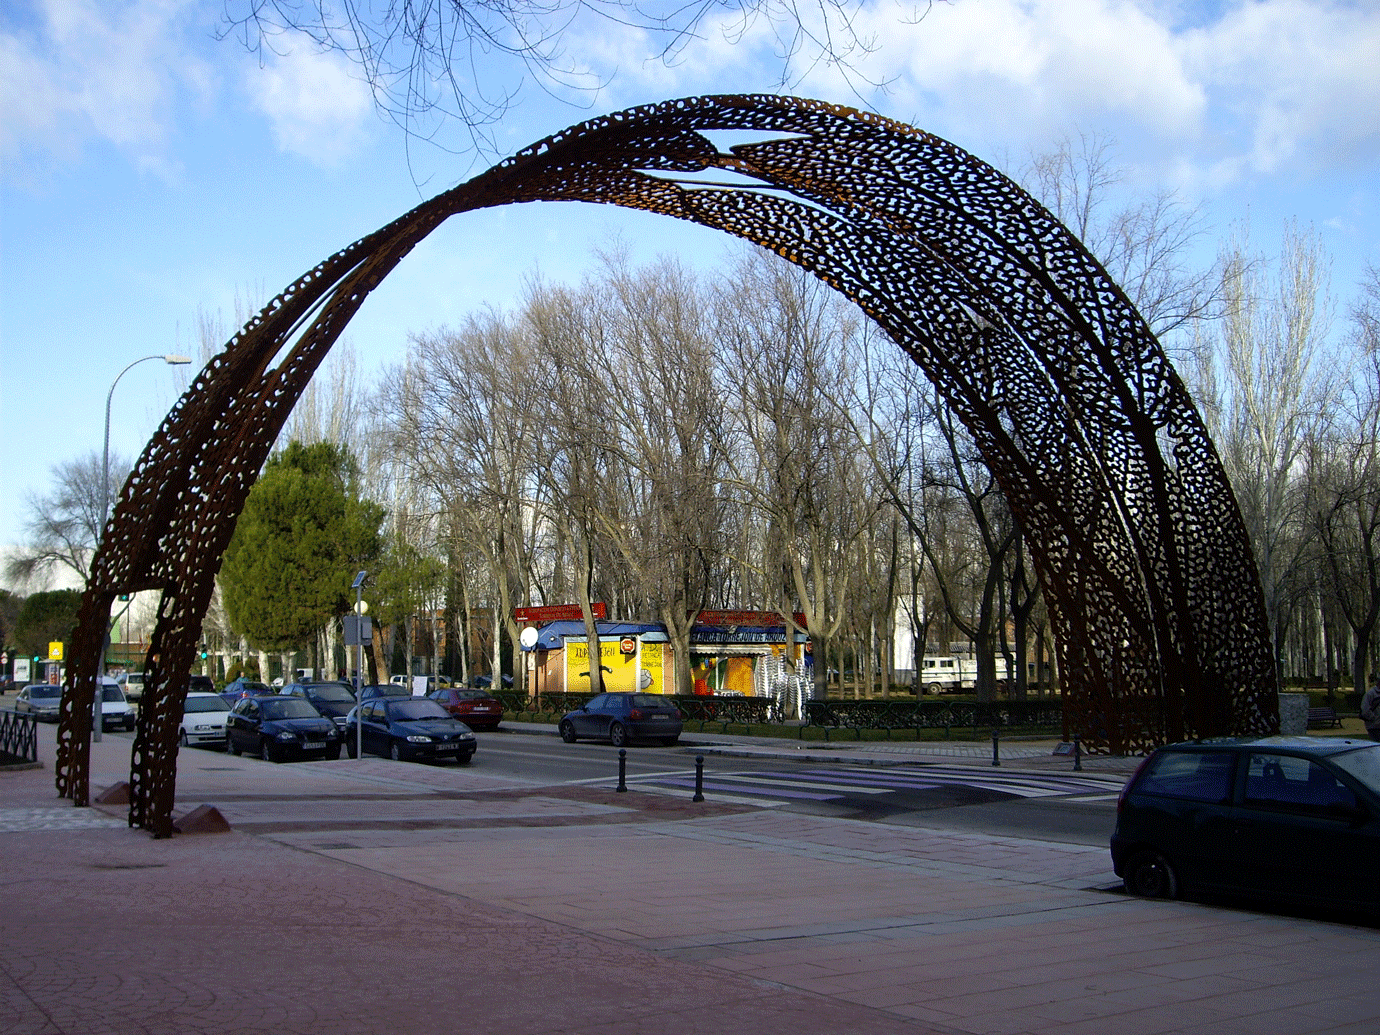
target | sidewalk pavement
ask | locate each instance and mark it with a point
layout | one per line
(373, 896)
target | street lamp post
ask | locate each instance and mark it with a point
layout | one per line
(358, 587)
(172, 360)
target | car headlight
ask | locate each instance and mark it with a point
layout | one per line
(287, 735)
(467, 736)
(417, 738)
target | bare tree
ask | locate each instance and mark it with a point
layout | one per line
(798, 465)
(1343, 480)
(1144, 242)
(1263, 391)
(64, 524)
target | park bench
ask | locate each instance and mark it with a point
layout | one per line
(1320, 717)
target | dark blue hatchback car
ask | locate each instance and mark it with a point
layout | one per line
(621, 717)
(1293, 819)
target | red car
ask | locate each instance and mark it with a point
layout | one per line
(477, 709)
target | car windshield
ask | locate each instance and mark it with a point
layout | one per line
(1363, 764)
(204, 704)
(415, 709)
(112, 693)
(288, 708)
(45, 690)
(252, 688)
(337, 692)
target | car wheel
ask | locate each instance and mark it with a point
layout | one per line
(182, 740)
(1149, 875)
(618, 735)
(567, 733)
(395, 752)
(350, 748)
(231, 746)
(333, 753)
(933, 689)
(270, 752)
(465, 759)
(670, 741)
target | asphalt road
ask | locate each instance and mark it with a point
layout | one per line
(1069, 808)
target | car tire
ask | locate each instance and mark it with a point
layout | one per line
(270, 753)
(465, 759)
(231, 746)
(1150, 875)
(350, 748)
(934, 689)
(395, 751)
(567, 732)
(670, 741)
(618, 735)
(333, 753)
(182, 744)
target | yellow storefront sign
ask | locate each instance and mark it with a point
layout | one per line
(621, 671)
(55, 650)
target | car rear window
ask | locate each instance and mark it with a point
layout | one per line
(1193, 775)
(650, 701)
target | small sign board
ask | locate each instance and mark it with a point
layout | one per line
(558, 613)
(359, 630)
(751, 618)
(55, 650)
(1063, 748)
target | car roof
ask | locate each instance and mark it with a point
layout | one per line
(1322, 746)
(201, 693)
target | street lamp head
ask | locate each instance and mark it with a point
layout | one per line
(176, 360)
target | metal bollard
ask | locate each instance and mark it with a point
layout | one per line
(699, 778)
(1077, 753)
(622, 769)
(996, 756)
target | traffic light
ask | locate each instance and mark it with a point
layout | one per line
(203, 652)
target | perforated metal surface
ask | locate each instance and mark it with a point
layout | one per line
(1138, 543)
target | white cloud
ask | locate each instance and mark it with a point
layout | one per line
(1217, 91)
(318, 107)
(71, 70)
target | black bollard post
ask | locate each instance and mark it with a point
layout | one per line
(1077, 753)
(699, 778)
(622, 769)
(996, 757)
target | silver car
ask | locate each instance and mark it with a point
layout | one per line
(43, 700)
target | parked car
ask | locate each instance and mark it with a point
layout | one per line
(203, 720)
(280, 728)
(116, 712)
(201, 684)
(1295, 819)
(44, 700)
(133, 684)
(332, 699)
(478, 709)
(238, 689)
(621, 717)
(384, 690)
(410, 729)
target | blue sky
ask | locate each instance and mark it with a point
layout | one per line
(153, 177)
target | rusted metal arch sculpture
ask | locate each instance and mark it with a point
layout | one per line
(1140, 550)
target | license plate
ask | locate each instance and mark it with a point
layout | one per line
(447, 747)
(312, 745)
